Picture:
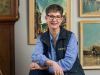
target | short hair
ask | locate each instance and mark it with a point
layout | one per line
(54, 8)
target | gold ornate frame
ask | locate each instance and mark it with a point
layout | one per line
(31, 35)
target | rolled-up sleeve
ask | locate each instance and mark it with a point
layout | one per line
(37, 55)
(70, 55)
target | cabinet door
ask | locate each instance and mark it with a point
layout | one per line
(8, 16)
(6, 49)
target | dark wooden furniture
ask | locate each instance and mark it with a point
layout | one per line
(8, 17)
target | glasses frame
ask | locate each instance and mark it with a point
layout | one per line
(51, 17)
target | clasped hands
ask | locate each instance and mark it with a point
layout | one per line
(35, 66)
(56, 68)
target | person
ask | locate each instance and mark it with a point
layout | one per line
(56, 50)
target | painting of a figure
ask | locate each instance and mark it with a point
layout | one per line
(90, 44)
(37, 23)
(90, 8)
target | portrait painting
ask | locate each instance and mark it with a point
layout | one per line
(89, 32)
(37, 23)
(89, 8)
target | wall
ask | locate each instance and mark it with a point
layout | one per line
(23, 51)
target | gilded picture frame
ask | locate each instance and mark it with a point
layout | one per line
(89, 8)
(89, 44)
(36, 23)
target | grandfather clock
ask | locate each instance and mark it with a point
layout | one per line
(8, 17)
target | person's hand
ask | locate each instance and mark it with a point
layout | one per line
(35, 66)
(57, 69)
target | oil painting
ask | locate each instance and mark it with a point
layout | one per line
(89, 44)
(89, 8)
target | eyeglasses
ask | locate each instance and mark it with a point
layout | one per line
(51, 17)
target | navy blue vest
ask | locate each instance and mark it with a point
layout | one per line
(60, 48)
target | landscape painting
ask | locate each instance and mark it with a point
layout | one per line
(89, 8)
(90, 44)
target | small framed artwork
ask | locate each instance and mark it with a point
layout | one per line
(89, 8)
(90, 44)
(37, 23)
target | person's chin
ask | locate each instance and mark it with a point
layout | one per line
(54, 28)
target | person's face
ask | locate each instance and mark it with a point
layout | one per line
(54, 20)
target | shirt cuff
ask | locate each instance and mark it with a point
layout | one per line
(42, 59)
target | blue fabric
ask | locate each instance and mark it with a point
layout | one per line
(66, 63)
(52, 55)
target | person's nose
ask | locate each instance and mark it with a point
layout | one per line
(54, 19)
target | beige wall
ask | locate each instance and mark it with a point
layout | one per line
(23, 51)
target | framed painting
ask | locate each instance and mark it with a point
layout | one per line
(90, 44)
(37, 23)
(89, 8)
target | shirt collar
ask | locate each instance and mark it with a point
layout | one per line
(51, 37)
